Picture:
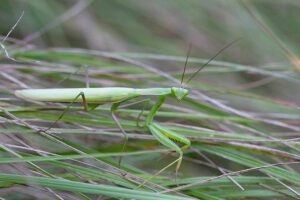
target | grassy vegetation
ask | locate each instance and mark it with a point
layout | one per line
(242, 114)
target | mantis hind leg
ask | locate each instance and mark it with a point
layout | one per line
(85, 106)
(81, 94)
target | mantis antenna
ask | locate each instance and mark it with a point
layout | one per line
(185, 64)
(212, 58)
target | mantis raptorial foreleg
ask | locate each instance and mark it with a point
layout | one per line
(162, 138)
(154, 109)
(164, 135)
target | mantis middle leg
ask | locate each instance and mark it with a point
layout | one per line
(113, 108)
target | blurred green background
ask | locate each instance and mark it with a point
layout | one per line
(156, 26)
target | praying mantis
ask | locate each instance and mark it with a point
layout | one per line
(117, 96)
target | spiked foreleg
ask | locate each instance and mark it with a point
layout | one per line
(163, 139)
(174, 136)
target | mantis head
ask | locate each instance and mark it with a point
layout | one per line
(179, 93)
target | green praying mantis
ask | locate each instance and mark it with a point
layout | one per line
(117, 96)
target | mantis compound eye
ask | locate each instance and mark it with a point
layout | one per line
(179, 93)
